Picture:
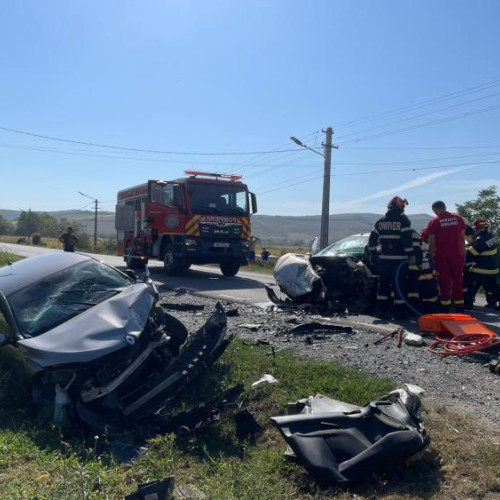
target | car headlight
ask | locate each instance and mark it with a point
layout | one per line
(189, 242)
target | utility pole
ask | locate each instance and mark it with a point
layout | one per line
(325, 210)
(95, 225)
(96, 201)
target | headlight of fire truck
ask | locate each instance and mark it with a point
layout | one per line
(190, 242)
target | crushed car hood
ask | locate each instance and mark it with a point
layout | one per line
(295, 275)
(94, 333)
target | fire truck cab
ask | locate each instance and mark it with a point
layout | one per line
(203, 218)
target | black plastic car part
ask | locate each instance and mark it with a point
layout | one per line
(348, 442)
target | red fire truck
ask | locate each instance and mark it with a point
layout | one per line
(203, 218)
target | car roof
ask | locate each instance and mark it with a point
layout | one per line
(16, 276)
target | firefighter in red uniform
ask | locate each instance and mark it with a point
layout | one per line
(447, 248)
(394, 234)
(482, 254)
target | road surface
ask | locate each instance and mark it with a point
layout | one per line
(247, 287)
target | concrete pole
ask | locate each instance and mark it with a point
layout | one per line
(325, 211)
(95, 225)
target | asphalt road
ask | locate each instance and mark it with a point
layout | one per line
(247, 287)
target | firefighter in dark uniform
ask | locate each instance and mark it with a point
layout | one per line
(484, 271)
(427, 283)
(414, 271)
(470, 236)
(394, 234)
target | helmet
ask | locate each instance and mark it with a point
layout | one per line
(424, 234)
(480, 223)
(397, 202)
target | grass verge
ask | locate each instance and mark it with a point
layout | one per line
(36, 461)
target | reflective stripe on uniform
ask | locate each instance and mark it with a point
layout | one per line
(406, 229)
(477, 270)
(459, 302)
(393, 257)
(389, 237)
(382, 297)
(413, 295)
(432, 299)
(446, 302)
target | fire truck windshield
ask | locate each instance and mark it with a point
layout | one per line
(210, 198)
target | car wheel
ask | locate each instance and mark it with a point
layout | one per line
(230, 268)
(170, 264)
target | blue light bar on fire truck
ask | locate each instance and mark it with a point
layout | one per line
(195, 173)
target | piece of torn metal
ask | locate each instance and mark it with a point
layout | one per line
(338, 442)
(316, 327)
(246, 425)
(267, 378)
(182, 307)
(251, 326)
(155, 490)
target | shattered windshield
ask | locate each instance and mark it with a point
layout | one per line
(218, 199)
(55, 299)
(351, 245)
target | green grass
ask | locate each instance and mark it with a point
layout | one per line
(6, 257)
(37, 461)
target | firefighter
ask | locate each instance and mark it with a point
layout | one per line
(484, 271)
(427, 284)
(447, 250)
(414, 271)
(394, 234)
(470, 236)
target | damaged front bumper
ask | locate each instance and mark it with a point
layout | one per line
(138, 380)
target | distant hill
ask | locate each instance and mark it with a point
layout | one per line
(277, 229)
(288, 229)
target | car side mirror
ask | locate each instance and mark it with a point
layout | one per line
(253, 199)
(131, 274)
(4, 340)
(314, 246)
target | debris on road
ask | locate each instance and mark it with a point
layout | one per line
(320, 328)
(155, 490)
(182, 307)
(250, 326)
(265, 379)
(339, 442)
(246, 425)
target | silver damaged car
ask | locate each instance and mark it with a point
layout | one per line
(92, 343)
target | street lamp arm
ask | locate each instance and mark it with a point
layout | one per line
(87, 196)
(300, 143)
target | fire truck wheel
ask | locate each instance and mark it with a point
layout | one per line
(169, 263)
(230, 268)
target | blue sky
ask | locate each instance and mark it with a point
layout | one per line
(411, 89)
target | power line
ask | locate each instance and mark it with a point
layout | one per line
(410, 169)
(421, 104)
(425, 124)
(140, 150)
(419, 116)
